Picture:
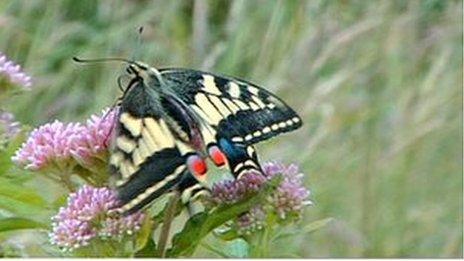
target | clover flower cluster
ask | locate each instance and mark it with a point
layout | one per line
(287, 201)
(253, 220)
(86, 217)
(62, 144)
(94, 140)
(52, 142)
(13, 72)
(232, 191)
(291, 195)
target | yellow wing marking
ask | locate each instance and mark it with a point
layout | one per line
(127, 169)
(252, 89)
(266, 129)
(201, 113)
(125, 144)
(234, 90)
(241, 104)
(137, 158)
(159, 131)
(116, 159)
(132, 124)
(234, 108)
(208, 108)
(254, 106)
(258, 102)
(209, 85)
(220, 106)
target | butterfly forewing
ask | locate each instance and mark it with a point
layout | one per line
(236, 109)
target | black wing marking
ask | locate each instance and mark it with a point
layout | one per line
(190, 188)
(160, 173)
(235, 109)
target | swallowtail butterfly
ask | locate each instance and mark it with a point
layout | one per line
(172, 121)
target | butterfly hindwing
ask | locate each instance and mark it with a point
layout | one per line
(241, 158)
(236, 109)
(146, 160)
(190, 188)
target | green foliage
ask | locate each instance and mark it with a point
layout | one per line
(16, 198)
(306, 229)
(9, 224)
(144, 240)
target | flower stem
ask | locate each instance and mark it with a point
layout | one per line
(168, 217)
(259, 243)
(265, 243)
(63, 172)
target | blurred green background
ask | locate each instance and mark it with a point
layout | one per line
(378, 84)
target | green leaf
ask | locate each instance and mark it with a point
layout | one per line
(9, 224)
(20, 208)
(149, 249)
(20, 193)
(144, 234)
(309, 228)
(20, 200)
(59, 201)
(316, 225)
(199, 225)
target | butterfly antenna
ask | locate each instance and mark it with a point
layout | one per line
(121, 88)
(138, 43)
(110, 59)
(102, 60)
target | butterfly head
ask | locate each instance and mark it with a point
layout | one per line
(144, 72)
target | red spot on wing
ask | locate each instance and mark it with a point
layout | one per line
(197, 165)
(217, 156)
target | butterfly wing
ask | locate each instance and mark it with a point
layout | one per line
(147, 159)
(241, 158)
(236, 113)
(235, 109)
(191, 189)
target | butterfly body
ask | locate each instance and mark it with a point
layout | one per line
(171, 121)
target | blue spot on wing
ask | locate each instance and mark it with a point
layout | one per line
(237, 153)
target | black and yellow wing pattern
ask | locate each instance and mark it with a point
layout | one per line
(147, 159)
(236, 109)
(237, 113)
(170, 120)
